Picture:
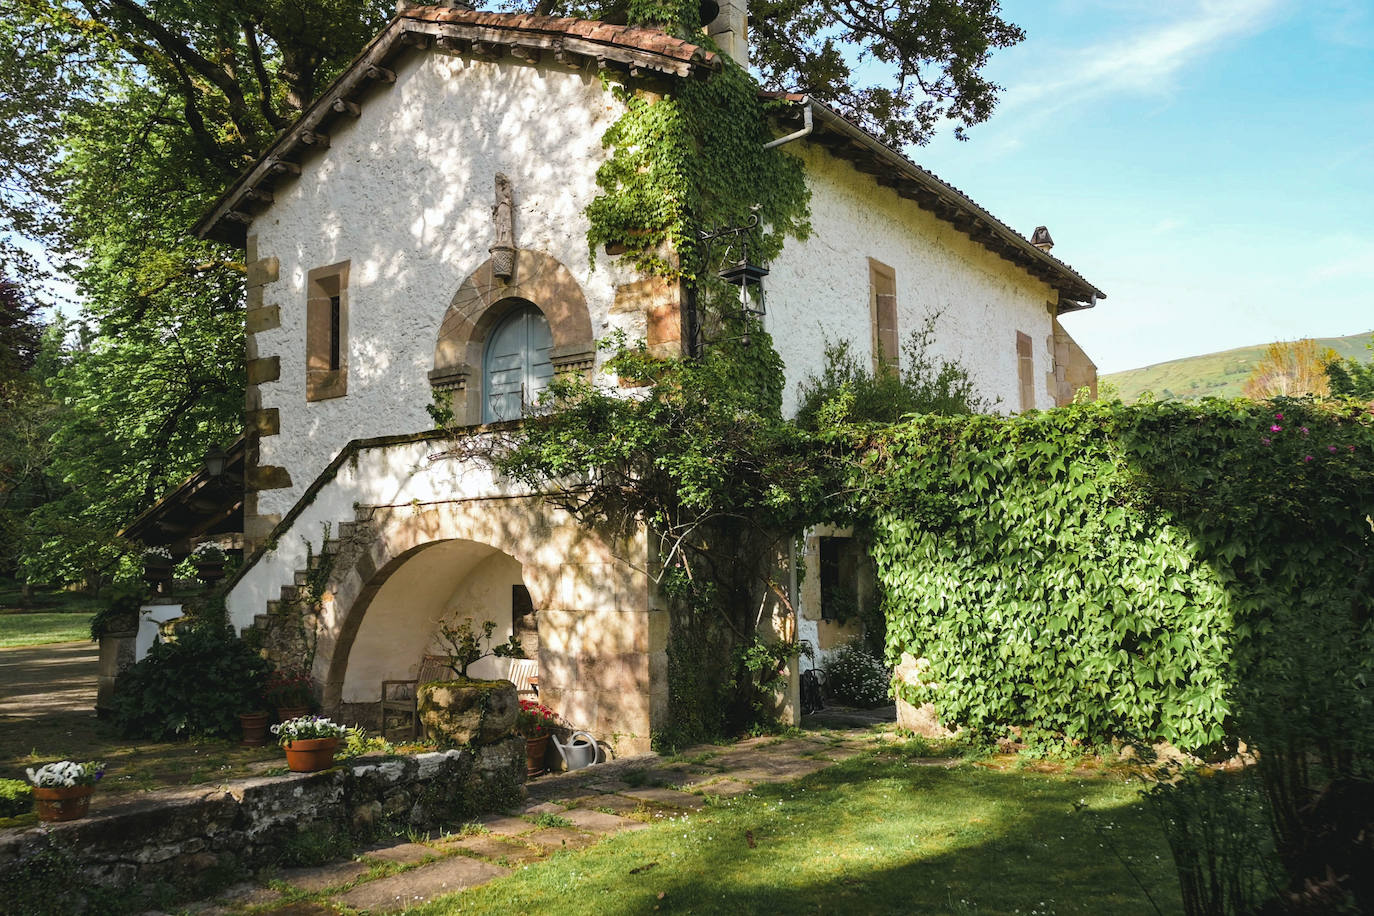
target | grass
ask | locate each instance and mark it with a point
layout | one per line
(876, 834)
(50, 616)
(19, 629)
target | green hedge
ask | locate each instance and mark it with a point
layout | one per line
(1151, 571)
(16, 797)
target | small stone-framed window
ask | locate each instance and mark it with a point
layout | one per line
(326, 332)
(882, 314)
(1025, 370)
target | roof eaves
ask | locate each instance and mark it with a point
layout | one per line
(929, 191)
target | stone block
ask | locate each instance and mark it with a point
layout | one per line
(267, 477)
(262, 318)
(264, 369)
(264, 422)
(263, 271)
(468, 712)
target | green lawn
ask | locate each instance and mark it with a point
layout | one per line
(50, 615)
(872, 835)
(41, 628)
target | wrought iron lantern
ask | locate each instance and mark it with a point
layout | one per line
(740, 271)
(215, 460)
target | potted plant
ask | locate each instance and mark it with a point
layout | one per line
(208, 559)
(463, 646)
(290, 693)
(157, 569)
(62, 791)
(309, 742)
(254, 723)
(536, 722)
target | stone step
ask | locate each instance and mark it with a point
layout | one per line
(346, 529)
(290, 593)
(273, 607)
(302, 577)
(331, 547)
(259, 621)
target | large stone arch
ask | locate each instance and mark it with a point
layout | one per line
(603, 639)
(483, 299)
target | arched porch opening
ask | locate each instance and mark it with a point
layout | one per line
(450, 579)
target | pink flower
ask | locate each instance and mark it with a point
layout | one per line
(1276, 429)
(1304, 429)
(1265, 440)
(1306, 457)
(1278, 416)
(1350, 447)
(1331, 448)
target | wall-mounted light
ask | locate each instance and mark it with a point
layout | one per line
(215, 460)
(740, 271)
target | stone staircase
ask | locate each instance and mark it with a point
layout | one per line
(297, 594)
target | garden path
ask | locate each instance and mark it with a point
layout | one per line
(47, 688)
(566, 811)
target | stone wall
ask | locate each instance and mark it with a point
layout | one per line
(186, 837)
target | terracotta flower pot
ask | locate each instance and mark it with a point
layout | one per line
(254, 725)
(535, 749)
(65, 803)
(209, 571)
(291, 712)
(310, 755)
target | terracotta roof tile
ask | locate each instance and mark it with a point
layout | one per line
(635, 38)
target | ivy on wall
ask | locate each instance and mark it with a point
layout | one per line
(1162, 571)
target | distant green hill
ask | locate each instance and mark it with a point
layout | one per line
(1220, 375)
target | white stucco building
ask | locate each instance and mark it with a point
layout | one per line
(387, 267)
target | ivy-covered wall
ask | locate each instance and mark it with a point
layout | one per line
(1180, 571)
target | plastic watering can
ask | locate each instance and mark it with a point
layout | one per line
(579, 752)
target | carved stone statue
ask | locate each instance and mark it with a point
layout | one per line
(503, 214)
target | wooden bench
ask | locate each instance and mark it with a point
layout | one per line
(399, 696)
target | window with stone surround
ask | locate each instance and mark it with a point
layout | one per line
(326, 332)
(882, 314)
(1025, 370)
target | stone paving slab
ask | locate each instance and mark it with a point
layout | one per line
(561, 838)
(505, 825)
(299, 908)
(490, 847)
(601, 822)
(322, 876)
(670, 797)
(419, 884)
(403, 853)
(539, 808)
(618, 804)
(725, 788)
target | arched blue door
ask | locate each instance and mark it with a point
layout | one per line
(515, 366)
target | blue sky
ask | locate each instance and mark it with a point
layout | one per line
(1209, 164)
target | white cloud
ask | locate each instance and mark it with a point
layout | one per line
(1144, 62)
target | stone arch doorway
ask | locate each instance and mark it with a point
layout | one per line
(444, 579)
(481, 305)
(602, 635)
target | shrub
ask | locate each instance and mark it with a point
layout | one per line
(15, 797)
(856, 676)
(196, 685)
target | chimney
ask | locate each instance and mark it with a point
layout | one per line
(1040, 238)
(730, 28)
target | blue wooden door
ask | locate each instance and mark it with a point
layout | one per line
(516, 365)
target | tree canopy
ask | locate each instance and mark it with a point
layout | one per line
(121, 120)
